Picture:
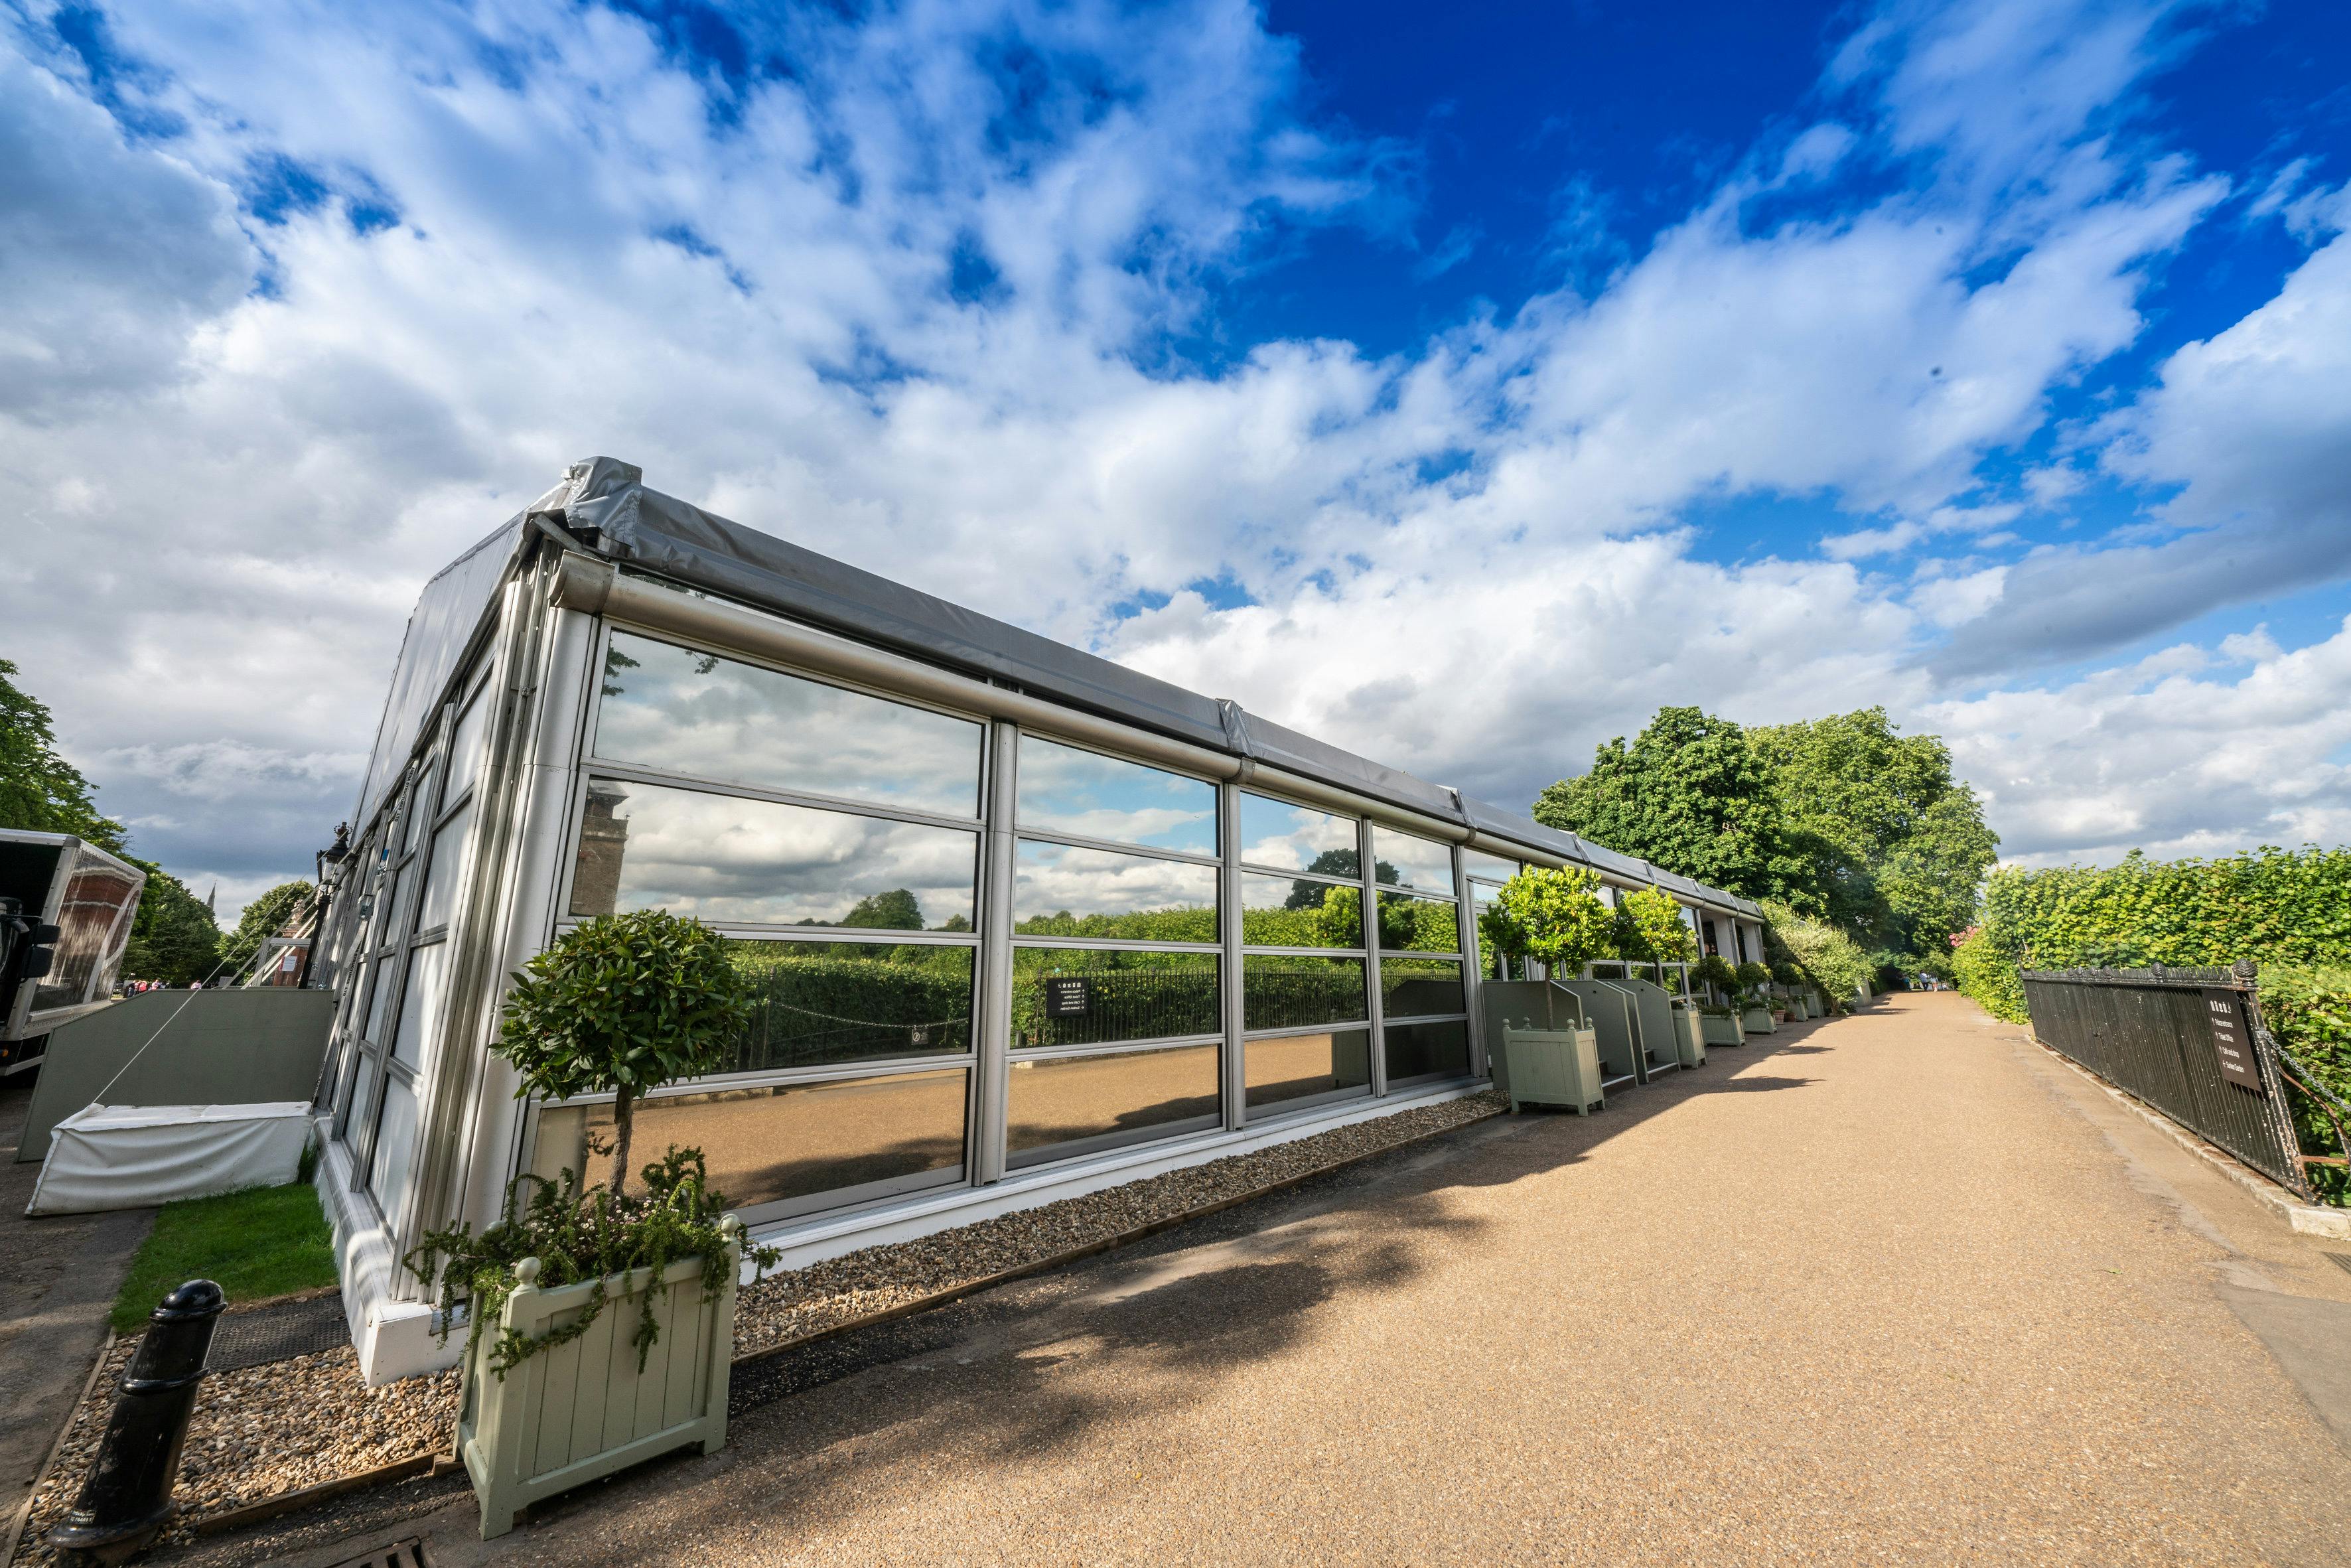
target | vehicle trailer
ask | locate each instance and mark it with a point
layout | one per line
(66, 911)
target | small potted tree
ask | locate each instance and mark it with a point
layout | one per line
(601, 1319)
(1754, 998)
(1649, 929)
(1552, 917)
(1718, 1016)
(1791, 979)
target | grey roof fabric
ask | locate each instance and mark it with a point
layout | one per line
(605, 505)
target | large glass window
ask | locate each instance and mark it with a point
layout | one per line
(1101, 996)
(1298, 837)
(1290, 1071)
(1420, 988)
(791, 1147)
(1057, 1107)
(1492, 868)
(395, 1146)
(1285, 991)
(1433, 1050)
(731, 860)
(420, 999)
(465, 744)
(1063, 891)
(1299, 912)
(441, 878)
(814, 1003)
(1408, 860)
(1409, 925)
(1085, 795)
(718, 719)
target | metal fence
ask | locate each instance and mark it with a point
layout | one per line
(2190, 1043)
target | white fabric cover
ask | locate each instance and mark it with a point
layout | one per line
(131, 1156)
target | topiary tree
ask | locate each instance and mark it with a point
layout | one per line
(1716, 971)
(1752, 977)
(623, 1005)
(1649, 929)
(1554, 917)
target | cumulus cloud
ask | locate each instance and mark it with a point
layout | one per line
(926, 301)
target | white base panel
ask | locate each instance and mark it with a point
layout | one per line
(394, 1338)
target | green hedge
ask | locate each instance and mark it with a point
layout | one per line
(2288, 911)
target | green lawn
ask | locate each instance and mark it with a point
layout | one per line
(265, 1242)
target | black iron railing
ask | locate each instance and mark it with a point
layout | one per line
(2190, 1043)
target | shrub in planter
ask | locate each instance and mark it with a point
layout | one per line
(1752, 979)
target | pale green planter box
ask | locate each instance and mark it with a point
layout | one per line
(1757, 1021)
(1690, 1036)
(1553, 1067)
(1720, 1030)
(583, 1409)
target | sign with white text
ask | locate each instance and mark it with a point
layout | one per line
(2233, 1042)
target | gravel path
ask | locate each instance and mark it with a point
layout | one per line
(265, 1430)
(1890, 1288)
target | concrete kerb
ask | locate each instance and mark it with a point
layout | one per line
(25, 1509)
(2303, 1219)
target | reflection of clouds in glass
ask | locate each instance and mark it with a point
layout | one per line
(696, 713)
(1274, 833)
(1418, 861)
(1493, 868)
(728, 860)
(1065, 790)
(1054, 877)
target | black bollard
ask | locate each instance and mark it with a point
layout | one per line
(127, 1500)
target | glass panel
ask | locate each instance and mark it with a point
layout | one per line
(417, 813)
(395, 1146)
(1095, 996)
(395, 920)
(1287, 911)
(1064, 891)
(1307, 1066)
(1407, 859)
(1420, 988)
(1274, 833)
(379, 999)
(1492, 964)
(1409, 925)
(817, 1002)
(465, 748)
(728, 860)
(87, 919)
(1492, 868)
(427, 967)
(1297, 993)
(1427, 1050)
(1061, 1107)
(795, 1142)
(696, 713)
(442, 882)
(1065, 790)
(355, 1116)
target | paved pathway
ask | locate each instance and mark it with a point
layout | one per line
(1897, 1288)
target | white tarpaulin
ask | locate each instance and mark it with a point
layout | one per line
(129, 1157)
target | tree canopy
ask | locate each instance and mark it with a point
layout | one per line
(172, 937)
(39, 790)
(261, 919)
(1690, 794)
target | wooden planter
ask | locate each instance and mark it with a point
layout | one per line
(1757, 1021)
(1690, 1036)
(583, 1409)
(1718, 1030)
(1553, 1067)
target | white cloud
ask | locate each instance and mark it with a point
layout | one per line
(891, 309)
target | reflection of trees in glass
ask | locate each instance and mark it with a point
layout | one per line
(1184, 923)
(1290, 991)
(1330, 862)
(896, 910)
(1132, 996)
(615, 663)
(816, 1002)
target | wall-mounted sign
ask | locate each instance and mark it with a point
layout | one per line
(2233, 1042)
(1069, 996)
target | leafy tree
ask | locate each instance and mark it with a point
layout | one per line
(1825, 952)
(896, 910)
(1648, 929)
(1331, 862)
(1553, 917)
(623, 1005)
(172, 937)
(260, 920)
(1692, 795)
(39, 790)
(1898, 846)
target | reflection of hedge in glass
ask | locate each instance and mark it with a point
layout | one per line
(1296, 993)
(1196, 924)
(817, 1002)
(1132, 996)
(1409, 925)
(1417, 987)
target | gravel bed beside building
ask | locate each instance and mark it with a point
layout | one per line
(265, 1430)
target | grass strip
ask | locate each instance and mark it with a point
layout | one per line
(263, 1241)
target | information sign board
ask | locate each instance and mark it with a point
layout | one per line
(2233, 1042)
(1069, 996)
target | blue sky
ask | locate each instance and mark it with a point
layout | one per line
(1458, 384)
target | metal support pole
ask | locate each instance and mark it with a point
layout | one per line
(995, 1035)
(1229, 897)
